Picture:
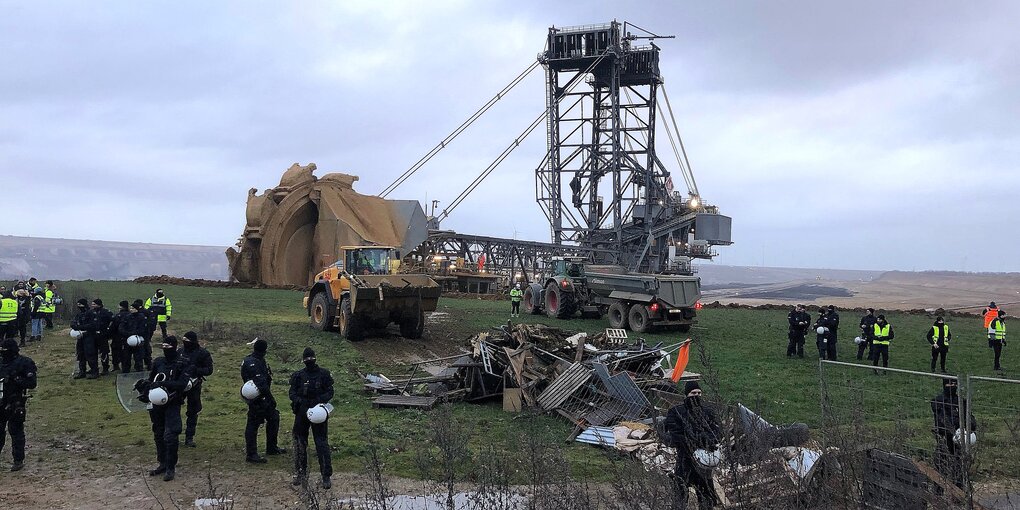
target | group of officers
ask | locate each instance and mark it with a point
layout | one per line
(876, 335)
(25, 309)
(123, 339)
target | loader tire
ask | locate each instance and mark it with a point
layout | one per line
(558, 304)
(413, 327)
(350, 327)
(638, 319)
(322, 315)
(618, 315)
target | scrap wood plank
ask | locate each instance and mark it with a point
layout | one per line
(564, 386)
(400, 401)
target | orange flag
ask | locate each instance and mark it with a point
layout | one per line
(683, 355)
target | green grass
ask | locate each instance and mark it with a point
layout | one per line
(746, 349)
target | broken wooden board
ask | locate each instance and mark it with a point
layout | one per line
(401, 401)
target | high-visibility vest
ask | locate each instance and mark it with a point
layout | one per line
(882, 334)
(8, 310)
(47, 304)
(935, 334)
(997, 330)
(164, 303)
(990, 315)
(516, 295)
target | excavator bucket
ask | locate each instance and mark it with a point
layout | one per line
(298, 227)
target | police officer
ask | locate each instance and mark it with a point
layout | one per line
(867, 331)
(948, 451)
(823, 330)
(8, 315)
(136, 323)
(159, 305)
(118, 342)
(997, 336)
(799, 320)
(882, 337)
(515, 300)
(18, 374)
(100, 345)
(691, 426)
(262, 408)
(833, 317)
(939, 336)
(202, 367)
(172, 373)
(24, 299)
(81, 322)
(310, 387)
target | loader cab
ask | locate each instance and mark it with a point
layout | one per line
(368, 260)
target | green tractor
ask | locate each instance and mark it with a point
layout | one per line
(562, 294)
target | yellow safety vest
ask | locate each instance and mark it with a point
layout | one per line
(935, 334)
(8, 310)
(164, 302)
(1000, 329)
(882, 334)
(516, 295)
(47, 305)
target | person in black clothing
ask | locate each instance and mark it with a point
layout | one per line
(48, 316)
(100, 346)
(18, 374)
(939, 336)
(202, 367)
(262, 408)
(172, 372)
(882, 337)
(81, 322)
(823, 330)
(150, 330)
(997, 337)
(135, 324)
(692, 426)
(949, 446)
(867, 332)
(310, 387)
(118, 342)
(24, 299)
(799, 320)
(833, 317)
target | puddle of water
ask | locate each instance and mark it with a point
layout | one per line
(461, 501)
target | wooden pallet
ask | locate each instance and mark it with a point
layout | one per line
(401, 401)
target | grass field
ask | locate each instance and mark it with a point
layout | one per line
(745, 350)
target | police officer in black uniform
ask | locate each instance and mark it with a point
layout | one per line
(82, 320)
(100, 346)
(310, 387)
(118, 342)
(799, 320)
(18, 374)
(136, 323)
(172, 372)
(867, 333)
(690, 426)
(202, 367)
(262, 408)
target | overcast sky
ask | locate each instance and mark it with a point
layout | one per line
(861, 135)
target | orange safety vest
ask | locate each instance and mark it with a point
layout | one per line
(990, 315)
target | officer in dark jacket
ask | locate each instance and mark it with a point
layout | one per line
(691, 426)
(824, 338)
(262, 408)
(867, 332)
(101, 334)
(310, 387)
(118, 342)
(24, 299)
(799, 320)
(136, 323)
(949, 446)
(939, 336)
(202, 367)
(83, 320)
(18, 374)
(172, 373)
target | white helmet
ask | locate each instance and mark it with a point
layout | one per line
(518, 286)
(135, 340)
(319, 413)
(191, 384)
(75, 334)
(249, 391)
(958, 436)
(822, 330)
(707, 459)
(859, 340)
(158, 396)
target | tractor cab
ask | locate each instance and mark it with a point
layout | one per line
(568, 267)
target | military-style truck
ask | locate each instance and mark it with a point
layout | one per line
(364, 290)
(640, 302)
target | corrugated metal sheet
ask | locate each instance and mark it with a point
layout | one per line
(602, 436)
(564, 386)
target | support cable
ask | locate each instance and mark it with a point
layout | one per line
(690, 171)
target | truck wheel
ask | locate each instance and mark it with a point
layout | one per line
(350, 327)
(558, 304)
(533, 299)
(323, 316)
(618, 315)
(638, 319)
(413, 327)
